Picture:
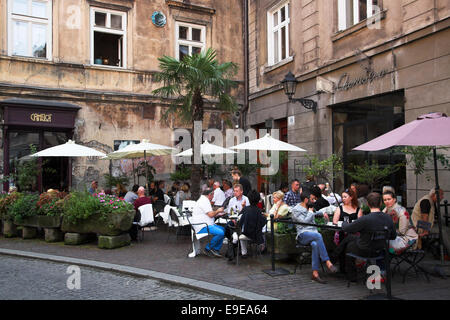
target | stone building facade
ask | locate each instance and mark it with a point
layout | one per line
(371, 66)
(95, 60)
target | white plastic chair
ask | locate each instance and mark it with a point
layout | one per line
(147, 218)
(187, 209)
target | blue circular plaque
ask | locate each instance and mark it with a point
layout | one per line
(159, 19)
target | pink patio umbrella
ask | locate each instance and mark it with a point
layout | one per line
(431, 129)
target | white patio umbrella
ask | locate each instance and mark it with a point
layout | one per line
(270, 144)
(140, 150)
(69, 149)
(206, 148)
(267, 143)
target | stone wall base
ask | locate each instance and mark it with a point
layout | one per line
(29, 232)
(77, 238)
(111, 242)
(53, 235)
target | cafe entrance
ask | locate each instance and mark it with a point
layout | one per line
(357, 122)
(30, 126)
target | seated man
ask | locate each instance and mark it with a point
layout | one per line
(238, 201)
(308, 235)
(218, 195)
(204, 214)
(252, 223)
(317, 199)
(425, 210)
(363, 245)
(131, 196)
(140, 201)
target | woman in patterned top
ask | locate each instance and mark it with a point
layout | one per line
(406, 235)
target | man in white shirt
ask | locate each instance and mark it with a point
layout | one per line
(219, 195)
(203, 221)
(238, 201)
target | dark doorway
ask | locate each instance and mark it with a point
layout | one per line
(357, 122)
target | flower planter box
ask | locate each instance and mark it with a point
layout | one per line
(285, 244)
(114, 225)
(49, 221)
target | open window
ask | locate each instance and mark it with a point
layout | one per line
(108, 37)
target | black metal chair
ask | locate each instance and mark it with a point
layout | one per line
(176, 219)
(411, 256)
(158, 207)
(375, 255)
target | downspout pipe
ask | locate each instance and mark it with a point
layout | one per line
(243, 119)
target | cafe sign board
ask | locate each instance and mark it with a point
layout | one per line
(32, 115)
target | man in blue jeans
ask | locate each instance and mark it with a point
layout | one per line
(308, 235)
(203, 221)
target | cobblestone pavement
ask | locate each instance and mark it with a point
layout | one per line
(162, 251)
(25, 279)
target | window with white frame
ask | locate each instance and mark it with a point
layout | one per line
(278, 33)
(108, 37)
(190, 39)
(351, 12)
(30, 28)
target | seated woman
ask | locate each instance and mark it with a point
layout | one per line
(182, 194)
(279, 210)
(252, 222)
(348, 212)
(406, 235)
(308, 235)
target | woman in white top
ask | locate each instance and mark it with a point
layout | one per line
(279, 210)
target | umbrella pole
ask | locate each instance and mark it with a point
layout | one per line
(441, 244)
(146, 173)
(134, 177)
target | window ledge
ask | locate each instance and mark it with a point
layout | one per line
(360, 25)
(278, 64)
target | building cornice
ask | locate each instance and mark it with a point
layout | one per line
(189, 7)
(370, 51)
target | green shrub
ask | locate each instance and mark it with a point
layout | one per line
(82, 205)
(23, 207)
(6, 200)
(51, 203)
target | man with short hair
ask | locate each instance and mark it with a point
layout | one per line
(317, 199)
(425, 210)
(292, 197)
(363, 245)
(203, 222)
(244, 182)
(218, 195)
(131, 196)
(140, 201)
(238, 201)
(159, 194)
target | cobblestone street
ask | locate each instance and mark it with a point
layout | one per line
(27, 279)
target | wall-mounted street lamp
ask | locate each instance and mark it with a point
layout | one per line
(290, 85)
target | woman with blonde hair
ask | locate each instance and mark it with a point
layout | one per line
(279, 210)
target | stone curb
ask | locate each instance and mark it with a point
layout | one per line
(168, 278)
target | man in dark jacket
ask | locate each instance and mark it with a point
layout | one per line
(363, 245)
(252, 222)
(238, 178)
(316, 198)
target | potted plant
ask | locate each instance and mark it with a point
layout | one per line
(24, 213)
(50, 209)
(6, 201)
(99, 213)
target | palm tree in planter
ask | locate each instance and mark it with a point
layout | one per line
(187, 83)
